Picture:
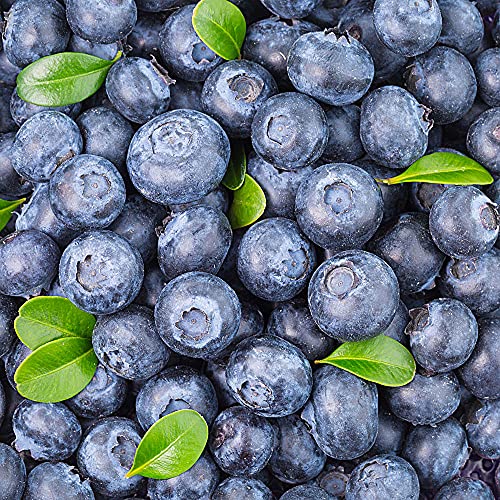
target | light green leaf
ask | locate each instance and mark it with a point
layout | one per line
(6, 209)
(249, 203)
(236, 170)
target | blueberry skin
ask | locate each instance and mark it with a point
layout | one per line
(333, 480)
(12, 474)
(7, 124)
(217, 199)
(178, 157)
(342, 413)
(480, 374)
(336, 70)
(128, 344)
(11, 183)
(482, 421)
(17, 354)
(436, 452)
(487, 70)
(8, 71)
(157, 5)
(103, 50)
(396, 328)
(383, 476)
(184, 54)
(216, 372)
(48, 480)
(279, 390)
(3, 403)
(464, 488)
(294, 9)
(43, 143)
(107, 453)
(241, 442)
(407, 28)
(275, 260)
(176, 388)
(198, 482)
(405, 243)
(47, 431)
(243, 489)
(100, 272)
(307, 491)
(197, 315)
(290, 131)
(28, 263)
(144, 39)
(152, 285)
(8, 313)
(186, 95)
(339, 206)
(101, 21)
(442, 334)
(393, 127)
(34, 28)
(196, 239)
(424, 195)
(391, 433)
(353, 296)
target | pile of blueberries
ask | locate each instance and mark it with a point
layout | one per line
(127, 217)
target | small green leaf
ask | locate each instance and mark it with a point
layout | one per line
(171, 446)
(443, 168)
(6, 209)
(62, 79)
(221, 27)
(249, 203)
(381, 359)
(44, 319)
(57, 371)
(236, 170)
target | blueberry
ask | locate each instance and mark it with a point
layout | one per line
(186, 95)
(12, 473)
(487, 70)
(7, 124)
(144, 39)
(106, 51)
(11, 183)
(424, 195)
(241, 442)
(34, 28)
(464, 488)
(216, 372)
(275, 260)
(176, 388)
(442, 334)
(107, 453)
(393, 127)
(157, 5)
(406, 27)
(8, 71)
(101, 21)
(342, 413)
(197, 315)
(307, 492)
(100, 272)
(217, 199)
(178, 157)
(482, 421)
(185, 55)
(242, 489)
(47, 431)
(290, 131)
(28, 262)
(3, 404)
(17, 354)
(152, 285)
(436, 452)
(391, 433)
(291, 9)
(337, 70)
(339, 206)
(353, 296)
(8, 312)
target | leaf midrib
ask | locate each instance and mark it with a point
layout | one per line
(38, 322)
(374, 361)
(38, 83)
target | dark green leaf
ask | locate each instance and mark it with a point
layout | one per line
(443, 168)
(249, 203)
(6, 209)
(62, 79)
(236, 170)
(171, 446)
(221, 26)
(44, 319)
(380, 359)
(57, 370)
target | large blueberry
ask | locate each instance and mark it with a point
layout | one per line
(391, 433)
(12, 473)
(464, 488)
(242, 489)
(487, 70)
(482, 422)
(11, 183)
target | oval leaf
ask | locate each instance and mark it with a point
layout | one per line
(221, 27)
(62, 79)
(56, 371)
(443, 168)
(44, 319)
(171, 446)
(236, 170)
(249, 203)
(6, 209)
(381, 359)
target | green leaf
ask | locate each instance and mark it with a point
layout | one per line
(44, 319)
(443, 168)
(171, 446)
(62, 79)
(249, 203)
(221, 27)
(57, 370)
(236, 170)
(6, 209)
(381, 359)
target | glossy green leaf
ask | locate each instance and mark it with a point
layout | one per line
(221, 26)
(63, 78)
(249, 203)
(443, 168)
(6, 209)
(44, 319)
(57, 370)
(171, 446)
(237, 168)
(380, 359)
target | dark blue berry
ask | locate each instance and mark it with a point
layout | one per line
(482, 421)
(242, 489)
(483, 140)
(464, 488)
(487, 70)
(12, 473)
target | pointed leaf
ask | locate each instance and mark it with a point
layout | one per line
(236, 170)
(249, 203)
(6, 209)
